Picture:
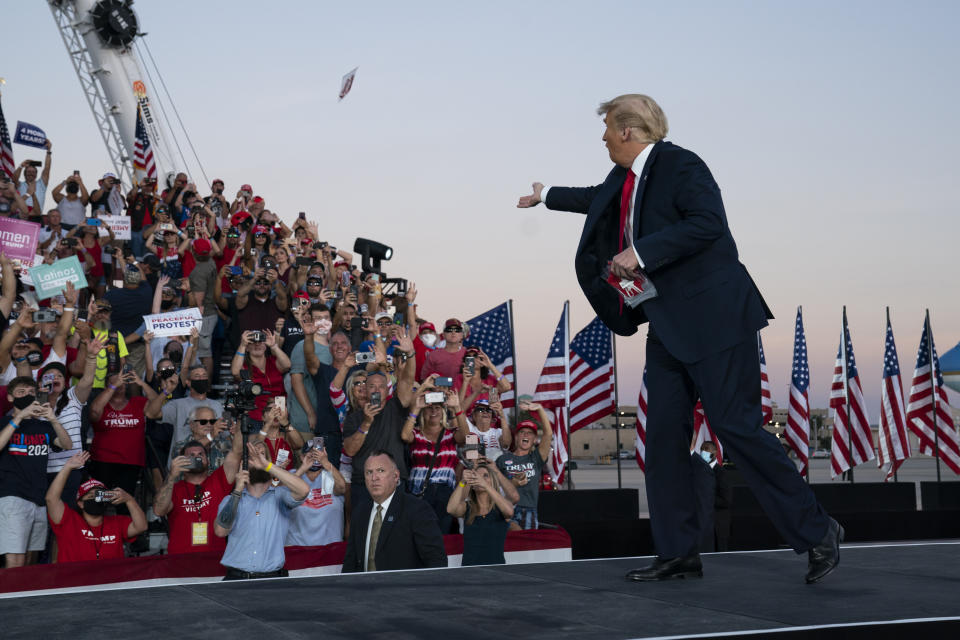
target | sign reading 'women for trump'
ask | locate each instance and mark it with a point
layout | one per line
(18, 239)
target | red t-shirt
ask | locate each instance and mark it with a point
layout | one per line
(187, 512)
(78, 541)
(227, 256)
(274, 447)
(443, 362)
(97, 252)
(118, 436)
(272, 382)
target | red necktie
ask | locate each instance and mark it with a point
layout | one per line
(625, 205)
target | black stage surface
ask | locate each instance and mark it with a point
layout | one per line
(878, 591)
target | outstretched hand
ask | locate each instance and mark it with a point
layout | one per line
(533, 199)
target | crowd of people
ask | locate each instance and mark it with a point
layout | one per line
(337, 400)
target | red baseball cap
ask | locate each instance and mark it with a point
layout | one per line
(452, 322)
(257, 199)
(340, 263)
(237, 219)
(201, 246)
(427, 326)
(259, 228)
(528, 424)
(303, 295)
(89, 486)
(216, 180)
(246, 187)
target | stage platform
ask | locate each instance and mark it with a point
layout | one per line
(879, 591)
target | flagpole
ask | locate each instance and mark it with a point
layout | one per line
(516, 379)
(566, 385)
(933, 389)
(616, 405)
(846, 391)
(895, 478)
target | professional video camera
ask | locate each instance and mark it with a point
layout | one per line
(238, 401)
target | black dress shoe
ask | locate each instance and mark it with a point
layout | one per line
(666, 568)
(825, 557)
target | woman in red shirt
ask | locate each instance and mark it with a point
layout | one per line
(90, 535)
(266, 362)
(119, 426)
(92, 243)
(280, 439)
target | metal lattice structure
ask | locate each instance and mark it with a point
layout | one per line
(73, 30)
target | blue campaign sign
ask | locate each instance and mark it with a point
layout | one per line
(30, 135)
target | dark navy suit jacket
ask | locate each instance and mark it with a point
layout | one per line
(707, 301)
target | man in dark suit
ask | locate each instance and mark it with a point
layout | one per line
(395, 530)
(659, 210)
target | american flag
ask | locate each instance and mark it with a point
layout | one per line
(766, 400)
(551, 393)
(591, 375)
(703, 432)
(797, 430)
(493, 334)
(894, 443)
(641, 448)
(6, 149)
(142, 153)
(920, 406)
(852, 440)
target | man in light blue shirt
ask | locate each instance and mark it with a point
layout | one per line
(256, 516)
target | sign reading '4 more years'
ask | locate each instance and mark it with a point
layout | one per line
(51, 279)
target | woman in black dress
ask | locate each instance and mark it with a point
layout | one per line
(477, 498)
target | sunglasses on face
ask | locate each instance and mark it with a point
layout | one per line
(361, 383)
(483, 410)
(454, 329)
(207, 421)
(384, 323)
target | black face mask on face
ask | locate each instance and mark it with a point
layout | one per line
(167, 304)
(94, 508)
(200, 386)
(23, 402)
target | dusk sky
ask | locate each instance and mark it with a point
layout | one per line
(831, 129)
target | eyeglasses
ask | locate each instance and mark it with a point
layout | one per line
(383, 322)
(209, 421)
(483, 410)
(454, 330)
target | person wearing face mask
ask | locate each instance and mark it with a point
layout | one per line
(319, 520)
(29, 433)
(424, 343)
(90, 534)
(118, 452)
(16, 359)
(177, 411)
(256, 515)
(191, 494)
(73, 205)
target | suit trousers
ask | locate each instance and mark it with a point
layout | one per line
(728, 384)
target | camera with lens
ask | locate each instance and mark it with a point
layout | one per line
(364, 357)
(258, 336)
(196, 464)
(102, 495)
(240, 399)
(45, 315)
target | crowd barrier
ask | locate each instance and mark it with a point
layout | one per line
(542, 545)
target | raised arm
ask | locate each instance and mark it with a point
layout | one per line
(9, 286)
(54, 495)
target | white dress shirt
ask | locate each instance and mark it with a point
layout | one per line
(373, 514)
(637, 167)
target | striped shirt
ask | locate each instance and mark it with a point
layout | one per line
(70, 419)
(421, 453)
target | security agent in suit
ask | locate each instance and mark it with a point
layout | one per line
(395, 530)
(702, 339)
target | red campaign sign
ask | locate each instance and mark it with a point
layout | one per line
(18, 239)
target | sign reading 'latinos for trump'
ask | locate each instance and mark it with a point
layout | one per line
(175, 323)
(18, 239)
(51, 279)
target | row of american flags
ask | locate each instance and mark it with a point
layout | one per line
(926, 412)
(577, 387)
(143, 161)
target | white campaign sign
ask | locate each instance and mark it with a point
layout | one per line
(119, 224)
(175, 323)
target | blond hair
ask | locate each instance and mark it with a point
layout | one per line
(473, 499)
(639, 113)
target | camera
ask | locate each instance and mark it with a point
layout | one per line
(472, 450)
(45, 315)
(102, 495)
(434, 397)
(366, 356)
(304, 261)
(267, 262)
(316, 443)
(69, 242)
(443, 382)
(175, 283)
(240, 399)
(258, 336)
(375, 399)
(469, 364)
(196, 464)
